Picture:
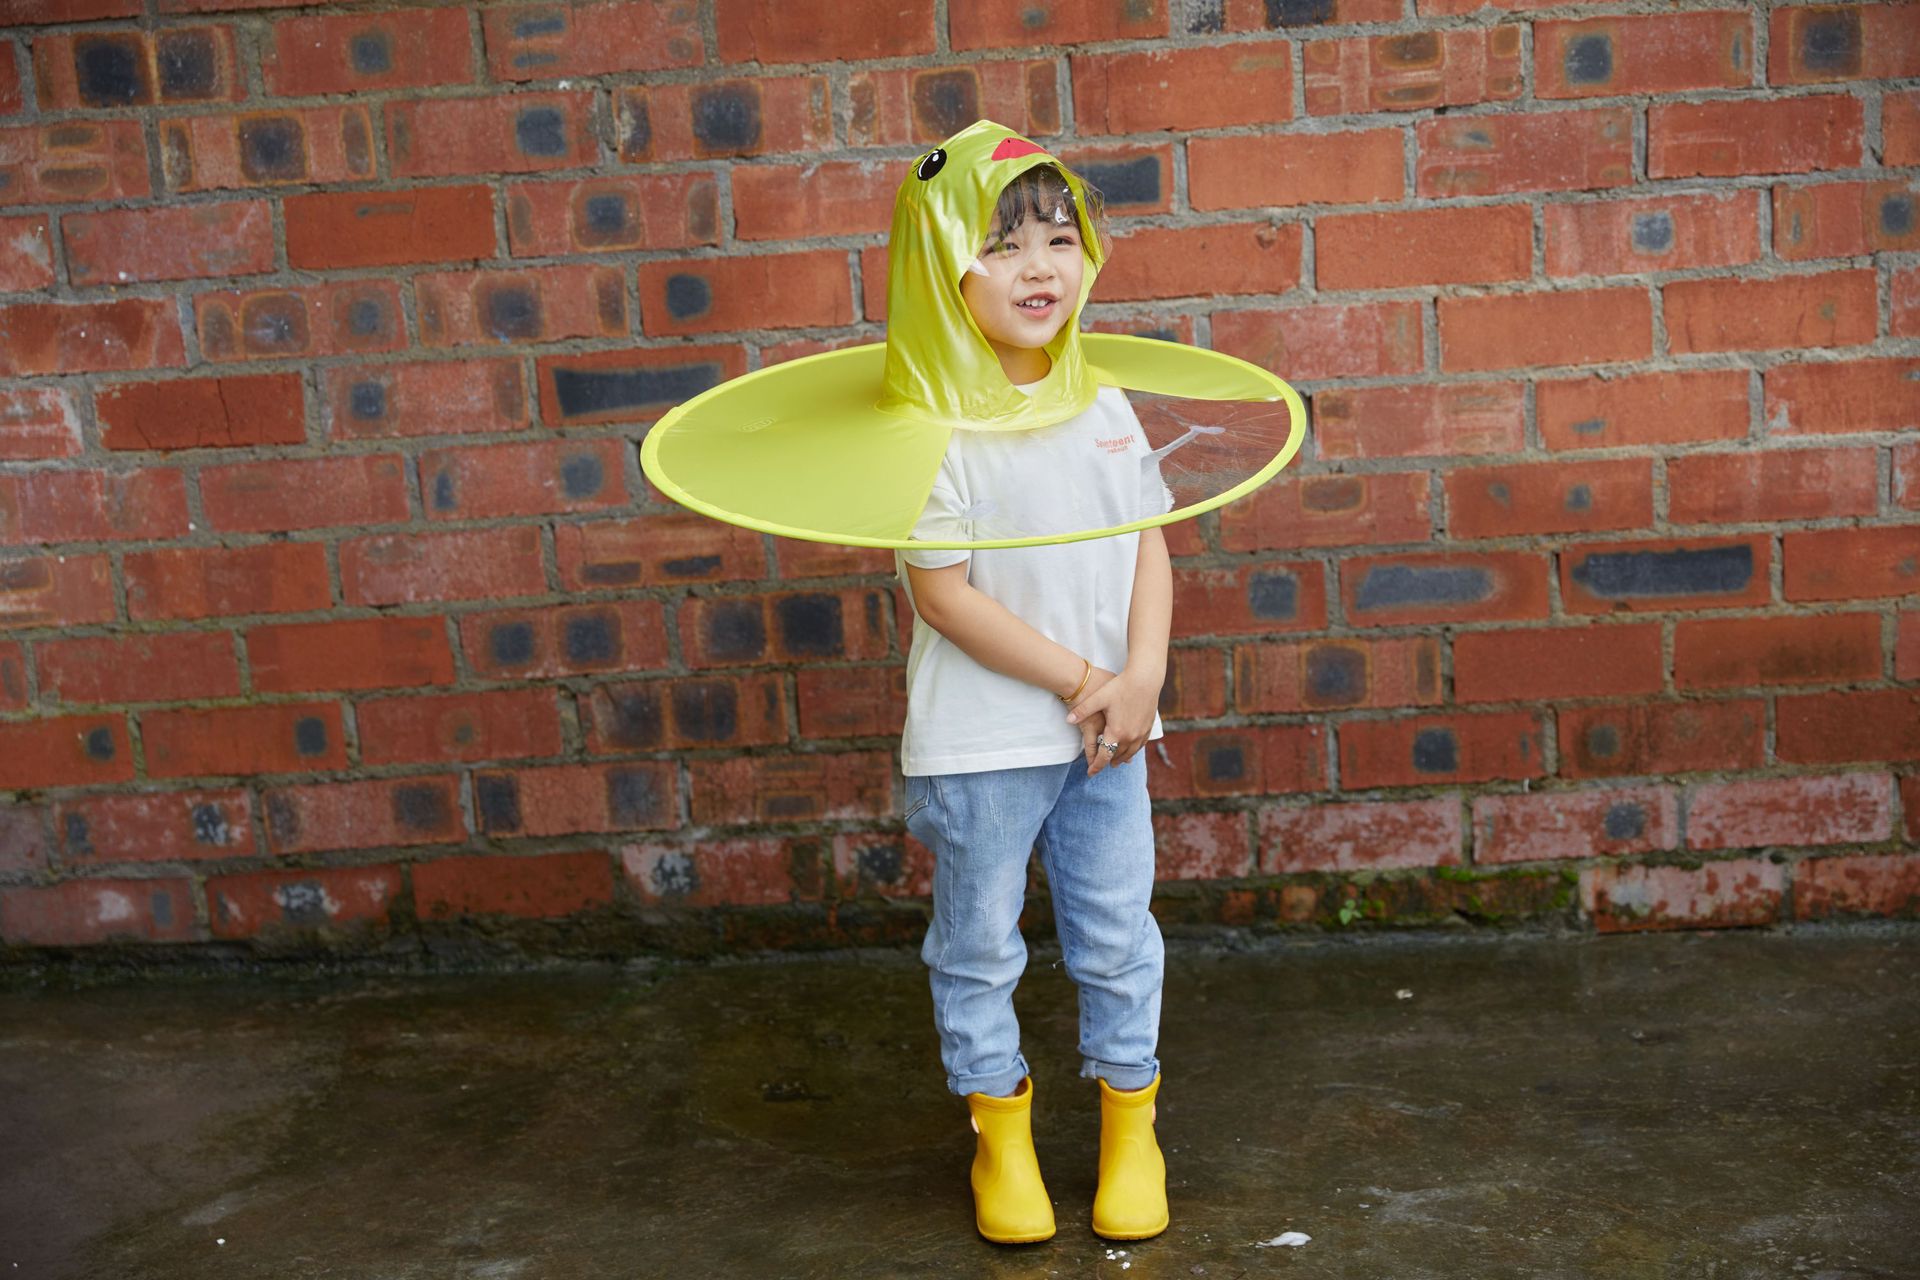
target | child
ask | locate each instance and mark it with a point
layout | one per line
(1032, 683)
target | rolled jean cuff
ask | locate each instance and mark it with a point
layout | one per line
(1125, 1079)
(998, 1083)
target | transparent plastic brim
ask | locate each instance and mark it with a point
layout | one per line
(1007, 257)
(797, 450)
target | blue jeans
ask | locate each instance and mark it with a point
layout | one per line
(1095, 837)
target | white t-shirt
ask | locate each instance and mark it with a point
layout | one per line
(963, 717)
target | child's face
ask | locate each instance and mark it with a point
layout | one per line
(1037, 262)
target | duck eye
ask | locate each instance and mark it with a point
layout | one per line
(930, 164)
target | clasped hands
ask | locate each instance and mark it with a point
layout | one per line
(1120, 705)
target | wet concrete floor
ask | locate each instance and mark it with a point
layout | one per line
(1728, 1104)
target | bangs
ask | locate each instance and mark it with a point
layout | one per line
(1042, 193)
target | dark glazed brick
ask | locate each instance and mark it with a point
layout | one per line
(726, 118)
(1398, 586)
(189, 64)
(210, 825)
(548, 24)
(1299, 13)
(283, 820)
(540, 131)
(810, 626)
(1436, 751)
(420, 807)
(508, 311)
(1631, 574)
(1126, 182)
(78, 838)
(273, 149)
(371, 53)
(675, 876)
(635, 721)
(592, 638)
(691, 566)
(110, 70)
(511, 643)
(1589, 60)
(497, 796)
(736, 630)
(367, 317)
(581, 476)
(1830, 42)
(1272, 595)
(444, 497)
(880, 863)
(688, 296)
(1336, 676)
(1226, 764)
(302, 902)
(367, 401)
(310, 736)
(633, 797)
(945, 102)
(100, 744)
(607, 219)
(1896, 215)
(638, 139)
(706, 711)
(1602, 741)
(1625, 822)
(1579, 498)
(585, 391)
(1652, 233)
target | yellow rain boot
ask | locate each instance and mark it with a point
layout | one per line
(1131, 1203)
(1010, 1204)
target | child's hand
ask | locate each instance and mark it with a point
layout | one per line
(1090, 730)
(1125, 705)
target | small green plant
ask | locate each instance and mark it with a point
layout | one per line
(1349, 911)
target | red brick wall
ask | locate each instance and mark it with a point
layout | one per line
(334, 610)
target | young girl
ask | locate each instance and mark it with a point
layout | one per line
(1033, 679)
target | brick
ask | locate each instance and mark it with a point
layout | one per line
(88, 912)
(38, 422)
(1198, 88)
(635, 385)
(279, 904)
(513, 133)
(1380, 507)
(1537, 663)
(1505, 586)
(48, 590)
(795, 202)
(1306, 343)
(655, 550)
(1416, 751)
(1412, 72)
(364, 814)
(1816, 44)
(1826, 810)
(25, 12)
(1271, 15)
(1665, 233)
(927, 105)
(441, 397)
(276, 738)
(1886, 884)
(1573, 326)
(1423, 247)
(1248, 599)
(86, 506)
(365, 53)
(542, 42)
(851, 702)
(783, 627)
(1668, 53)
(1358, 167)
(163, 667)
(115, 70)
(1628, 577)
(1181, 262)
(882, 864)
(1782, 135)
(768, 31)
(531, 304)
(1323, 675)
(1618, 822)
(1739, 652)
(813, 787)
(1645, 737)
(13, 676)
(757, 115)
(259, 497)
(214, 152)
(26, 252)
(1771, 485)
(1851, 564)
(556, 641)
(1248, 760)
(1352, 837)
(64, 751)
(185, 242)
(539, 886)
(1906, 304)
(613, 214)
(1001, 23)
(1196, 684)
(1545, 151)
(1201, 846)
(563, 799)
(1551, 497)
(356, 653)
(204, 582)
(75, 160)
(202, 413)
(89, 337)
(1622, 897)
(769, 291)
(410, 568)
(1836, 309)
(1900, 128)
(536, 478)
(795, 559)
(751, 872)
(503, 724)
(685, 712)
(1868, 727)
(342, 317)
(12, 99)
(154, 826)
(1906, 476)
(335, 229)
(1458, 419)
(1642, 409)
(1844, 219)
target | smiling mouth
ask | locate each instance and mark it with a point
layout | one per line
(1035, 304)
